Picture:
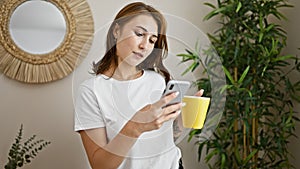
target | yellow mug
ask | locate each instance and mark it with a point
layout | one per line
(194, 112)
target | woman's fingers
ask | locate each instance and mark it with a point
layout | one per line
(199, 93)
(170, 112)
(153, 116)
(172, 115)
(172, 108)
(167, 117)
(165, 100)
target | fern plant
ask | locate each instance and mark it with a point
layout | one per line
(22, 153)
(259, 115)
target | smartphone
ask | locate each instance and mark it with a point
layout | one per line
(176, 86)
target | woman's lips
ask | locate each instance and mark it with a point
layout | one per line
(138, 54)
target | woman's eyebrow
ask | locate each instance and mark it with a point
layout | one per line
(145, 30)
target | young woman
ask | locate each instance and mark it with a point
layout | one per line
(120, 113)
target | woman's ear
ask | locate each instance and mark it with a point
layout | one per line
(116, 31)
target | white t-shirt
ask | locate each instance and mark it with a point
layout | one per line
(106, 102)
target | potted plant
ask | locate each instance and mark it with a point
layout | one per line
(22, 153)
(259, 115)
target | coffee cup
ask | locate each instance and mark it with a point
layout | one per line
(194, 112)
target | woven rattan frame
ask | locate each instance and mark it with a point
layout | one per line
(41, 68)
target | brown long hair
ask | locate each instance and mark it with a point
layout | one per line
(154, 60)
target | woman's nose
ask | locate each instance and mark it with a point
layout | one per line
(143, 43)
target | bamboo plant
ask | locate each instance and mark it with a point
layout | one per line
(259, 115)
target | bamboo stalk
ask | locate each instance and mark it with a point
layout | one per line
(235, 123)
(254, 130)
(245, 144)
(254, 137)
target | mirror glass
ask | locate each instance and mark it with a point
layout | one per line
(37, 27)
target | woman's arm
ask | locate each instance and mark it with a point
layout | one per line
(109, 155)
(104, 155)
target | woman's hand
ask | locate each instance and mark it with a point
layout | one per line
(152, 116)
(199, 93)
(177, 125)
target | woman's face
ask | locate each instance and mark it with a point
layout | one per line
(136, 39)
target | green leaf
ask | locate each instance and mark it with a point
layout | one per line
(250, 156)
(210, 5)
(237, 156)
(20, 164)
(227, 73)
(200, 148)
(191, 68)
(223, 160)
(211, 154)
(193, 133)
(261, 34)
(238, 7)
(185, 57)
(189, 52)
(214, 12)
(271, 26)
(244, 75)
(226, 87)
(282, 58)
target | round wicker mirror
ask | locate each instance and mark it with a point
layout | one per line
(32, 66)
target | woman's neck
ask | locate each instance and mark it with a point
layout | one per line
(123, 73)
(128, 75)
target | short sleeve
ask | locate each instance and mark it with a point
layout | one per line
(87, 112)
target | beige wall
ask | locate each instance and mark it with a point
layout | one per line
(292, 27)
(47, 110)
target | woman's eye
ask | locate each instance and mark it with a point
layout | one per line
(152, 41)
(139, 34)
